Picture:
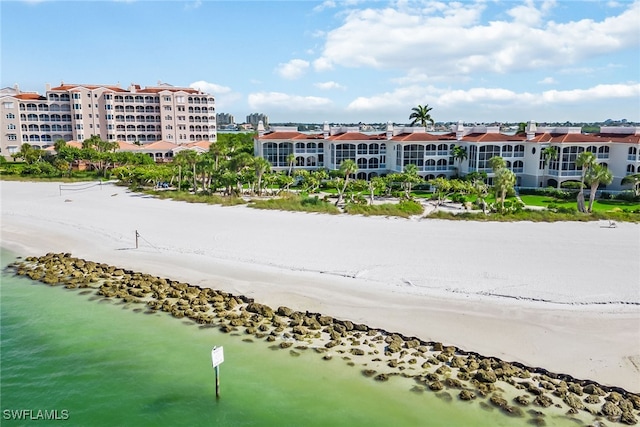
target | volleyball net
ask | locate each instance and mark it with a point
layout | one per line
(83, 186)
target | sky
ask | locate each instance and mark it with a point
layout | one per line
(346, 61)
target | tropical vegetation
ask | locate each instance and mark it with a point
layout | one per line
(228, 174)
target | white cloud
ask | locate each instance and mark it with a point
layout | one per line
(193, 5)
(452, 40)
(212, 88)
(548, 81)
(272, 101)
(329, 85)
(327, 4)
(496, 98)
(293, 69)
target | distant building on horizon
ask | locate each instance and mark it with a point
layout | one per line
(224, 119)
(75, 112)
(254, 118)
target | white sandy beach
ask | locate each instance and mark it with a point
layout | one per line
(563, 296)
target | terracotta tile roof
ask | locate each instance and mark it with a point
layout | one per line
(493, 137)
(282, 135)
(30, 96)
(202, 144)
(417, 137)
(570, 138)
(170, 89)
(616, 137)
(357, 136)
(159, 145)
(72, 86)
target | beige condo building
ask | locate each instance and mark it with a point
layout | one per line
(75, 112)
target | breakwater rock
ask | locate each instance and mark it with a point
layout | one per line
(511, 387)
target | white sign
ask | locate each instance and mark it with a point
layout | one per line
(217, 356)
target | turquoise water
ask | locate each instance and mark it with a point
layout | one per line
(109, 364)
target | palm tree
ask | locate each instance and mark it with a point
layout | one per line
(596, 175)
(291, 158)
(347, 167)
(376, 183)
(496, 163)
(585, 160)
(634, 180)
(188, 159)
(548, 154)
(459, 154)
(409, 176)
(504, 180)
(260, 166)
(420, 114)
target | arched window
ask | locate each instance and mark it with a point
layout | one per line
(603, 152)
(507, 151)
(485, 153)
(345, 151)
(362, 163)
(518, 166)
(284, 149)
(362, 149)
(373, 163)
(311, 161)
(374, 148)
(518, 150)
(299, 161)
(430, 165)
(430, 150)
(442, 165)
(300, 147)
(443, 149)
(631, 169)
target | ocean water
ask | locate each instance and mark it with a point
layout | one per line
(91, 362)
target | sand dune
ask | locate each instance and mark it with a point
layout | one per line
(564, 296)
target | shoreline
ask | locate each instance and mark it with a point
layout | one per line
(266, 255)
(515, 389)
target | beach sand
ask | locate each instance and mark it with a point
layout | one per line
(563, 296)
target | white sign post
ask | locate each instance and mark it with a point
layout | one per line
(217, 357)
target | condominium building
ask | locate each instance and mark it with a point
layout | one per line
(255, 118)
(77, 111)
(382, 153)
(225, 119)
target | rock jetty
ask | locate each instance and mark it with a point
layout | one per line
(511, 387)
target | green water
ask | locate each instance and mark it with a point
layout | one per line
(109, 364)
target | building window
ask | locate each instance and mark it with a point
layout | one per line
(167, 108)
(179, 98)
(7, 104)
(79, 126)
(12, 137)
(78, 116)
(414, 155)
(11, 116)
(167, 99)
(11, 126)
(76, 96)
(77, 106)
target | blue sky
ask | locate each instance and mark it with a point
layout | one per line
(343, 61)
